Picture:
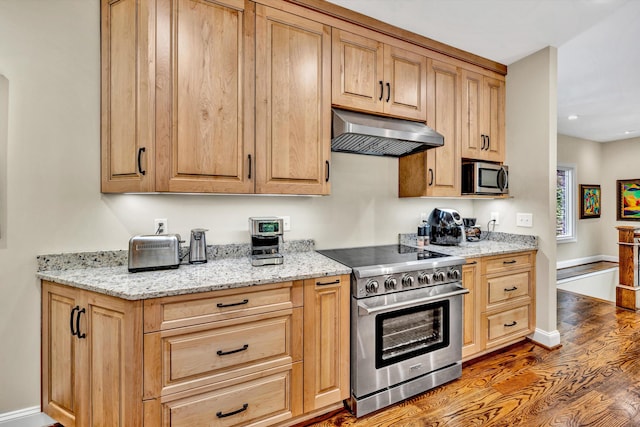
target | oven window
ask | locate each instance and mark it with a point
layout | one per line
(410, 332)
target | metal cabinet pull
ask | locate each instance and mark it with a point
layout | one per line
(335, 282)
(249, 157)
(388, 91)
(482, 137)
(381, 91)
(80, 335)
(140, 151)
(472, 263)
(326, 179)
(233, 304)
(430, 177)
(513, 261)
(71, 320)
(508, 325)
(237, 411)
(238, 350)
(515, 288)
(488, 142)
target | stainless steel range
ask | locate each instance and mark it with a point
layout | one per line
(406, 322)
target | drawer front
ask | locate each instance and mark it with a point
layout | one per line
(245, 404)
(507, 288)
(510, 322)
(507, 262)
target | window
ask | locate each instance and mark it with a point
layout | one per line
(565, 204)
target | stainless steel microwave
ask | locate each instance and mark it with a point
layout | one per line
(485, 178)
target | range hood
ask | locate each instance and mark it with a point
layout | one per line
(380, 136)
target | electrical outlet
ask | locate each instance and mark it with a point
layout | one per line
(160, 226)
(495, 216)
(286, 223)
(524, 220)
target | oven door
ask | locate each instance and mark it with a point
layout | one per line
(404, 335)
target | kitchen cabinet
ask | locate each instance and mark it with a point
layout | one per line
(91, 358)
(471, 334)
(483, 117)
(376, 77)
(293, 108)
(436, 172)
(326, 341)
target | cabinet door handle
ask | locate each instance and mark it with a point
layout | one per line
(381, 91)
(430, 177)
(472, 263)
(140, 151)
(508, 325)
(335, 282)
(328, 171)
(249, 158)
(388, 91)
(237, 411)
(71, 320)
(513, 261)
(484, 141)
(80, 335)
(488, 142)
(515, 288)
(233, 304)
(237, 350)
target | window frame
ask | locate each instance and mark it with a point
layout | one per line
(571, 198)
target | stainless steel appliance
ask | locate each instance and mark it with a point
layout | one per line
(445, 227)
(154, 252)
(406, 322)
(198, 246)
(485, 178)
(265, 240)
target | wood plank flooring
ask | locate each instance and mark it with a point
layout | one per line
(578, 270)
(592, 380)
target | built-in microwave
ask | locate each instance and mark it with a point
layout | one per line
(485, 178)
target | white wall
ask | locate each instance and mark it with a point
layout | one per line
(588, 158)
(50, 55)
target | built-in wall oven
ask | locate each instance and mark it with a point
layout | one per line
(406, 322)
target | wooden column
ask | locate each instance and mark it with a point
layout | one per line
(628, 288)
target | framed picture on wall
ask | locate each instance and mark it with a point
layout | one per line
(628, 200)
(589, 201)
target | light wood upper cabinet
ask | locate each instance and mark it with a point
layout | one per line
(204, 97)
(293, 111)
(483, 117)
(372, 76)
(436, 172)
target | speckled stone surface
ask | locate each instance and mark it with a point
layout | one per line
(496, 243)
(214, 275)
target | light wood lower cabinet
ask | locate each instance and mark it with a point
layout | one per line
(247, 356)
(500, 308)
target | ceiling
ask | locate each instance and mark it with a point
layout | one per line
(598, 58)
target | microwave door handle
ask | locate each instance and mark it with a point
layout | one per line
(365, 310)
(503, 179)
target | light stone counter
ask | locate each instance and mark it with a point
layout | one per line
(496, 244)
(214, 275)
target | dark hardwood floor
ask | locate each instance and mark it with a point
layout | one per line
(592, 380)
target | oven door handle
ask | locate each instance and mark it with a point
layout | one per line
(364, 310)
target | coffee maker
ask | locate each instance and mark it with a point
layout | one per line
(445, 227)
(265, 240)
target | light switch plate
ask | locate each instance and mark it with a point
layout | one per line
(524, 220)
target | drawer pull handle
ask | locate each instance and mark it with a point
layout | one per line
(238, 350)
(515, 288)
(243, 302)
(472, 263)
(237, 411)
(508, 325)
(335, 282)
(513, 261)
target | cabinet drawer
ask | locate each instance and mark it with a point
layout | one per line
(263, 401)
(186, 310)
(506, 288)
(508, 323)
(502, 263)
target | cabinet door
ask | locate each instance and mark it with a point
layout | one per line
(471, 336)
(493, 110)
(326, 341)
(128, 80)
(405, 92)
(204, 96)
(357, 70)
(293, 108)
(472, 141)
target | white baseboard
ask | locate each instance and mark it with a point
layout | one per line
(586, 260)
(25, 412)
(547, 339)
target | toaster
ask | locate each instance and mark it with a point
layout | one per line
(154, 252)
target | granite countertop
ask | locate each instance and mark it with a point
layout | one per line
(218, 274)
(495, 244)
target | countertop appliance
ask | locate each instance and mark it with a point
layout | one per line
(485, 178)
(154, 252)
(446, 227)
(198, 246)
(406, 322)
(265, 240)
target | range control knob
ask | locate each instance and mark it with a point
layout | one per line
(371, 287)
(439, 276)
(390, 283)
(425, 278)
(407, 281)
(454, 274)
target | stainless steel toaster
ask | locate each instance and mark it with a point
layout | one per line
(154, 252)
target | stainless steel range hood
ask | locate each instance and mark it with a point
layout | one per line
(380, 136)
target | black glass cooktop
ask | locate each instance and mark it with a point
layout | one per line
(379, 255)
